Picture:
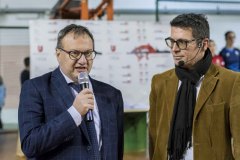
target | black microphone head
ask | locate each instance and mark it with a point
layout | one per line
(83, 78)
(181, 63)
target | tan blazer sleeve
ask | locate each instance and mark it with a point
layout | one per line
(235, 118)
(152, 122)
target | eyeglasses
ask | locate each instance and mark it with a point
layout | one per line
(76, 55)
(181, 43)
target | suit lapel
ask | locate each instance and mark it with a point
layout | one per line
(66, 95)
(104, 117)
(103, 107)
(62, 88)
(208, 85)
(171, 91)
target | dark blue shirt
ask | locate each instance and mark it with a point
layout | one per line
(231, 57)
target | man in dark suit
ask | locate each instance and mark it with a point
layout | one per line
(52, 112)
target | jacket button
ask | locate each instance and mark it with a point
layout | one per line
(88, 148)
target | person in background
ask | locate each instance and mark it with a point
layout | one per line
(231, 54)
(52, 109)
(2, 99)
(194, 107)
(25, 74)
(217, 59)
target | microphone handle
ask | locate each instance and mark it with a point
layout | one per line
(84, 85)
(89, 115)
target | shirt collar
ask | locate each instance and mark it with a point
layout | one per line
(68, 80)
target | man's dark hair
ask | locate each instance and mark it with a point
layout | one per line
(197, 22)
(77, 30)
(227, 33)
(27, 61)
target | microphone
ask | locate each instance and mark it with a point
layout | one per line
(83, 80)
(182, 63)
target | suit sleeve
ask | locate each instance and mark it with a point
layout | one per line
(152, 122)
(235, 118)
(37, 136)
(120, 125)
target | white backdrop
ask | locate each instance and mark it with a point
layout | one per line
(120, 64)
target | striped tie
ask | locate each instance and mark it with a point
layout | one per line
(93, 139)
(75, 86)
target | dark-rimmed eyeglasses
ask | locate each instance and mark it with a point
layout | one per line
(76, 55)
(182, 44)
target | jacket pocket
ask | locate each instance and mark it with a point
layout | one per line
(219, 116)
(219, 129)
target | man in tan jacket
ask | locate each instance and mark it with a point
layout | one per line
(195, 107)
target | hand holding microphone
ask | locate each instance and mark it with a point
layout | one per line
(83, 80)
(84, 100)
